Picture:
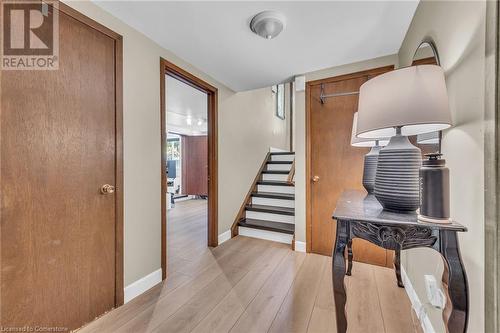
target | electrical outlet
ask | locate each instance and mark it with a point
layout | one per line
(434, 293)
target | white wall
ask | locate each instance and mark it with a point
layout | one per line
(458, 29)
(247, 127)
(300, 132)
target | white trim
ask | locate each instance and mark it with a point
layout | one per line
(264, 234)
(278, 177)
(273, 202)
(417, 305)
(277, 150)
(140, 286)
(276, 188)
(300, 83)
(279, 167)
(224, 237)
(180, 199)
(272, 217)
(283, 157)
(300, 246)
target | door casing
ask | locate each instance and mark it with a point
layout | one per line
(169, 68)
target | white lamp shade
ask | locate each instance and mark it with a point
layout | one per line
(361, 142)
(431, 138)
(413, 98)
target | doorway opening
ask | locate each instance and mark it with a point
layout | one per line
(189, 164)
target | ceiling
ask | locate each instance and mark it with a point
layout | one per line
(215, 36)
(186, 108)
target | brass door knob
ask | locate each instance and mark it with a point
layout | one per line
(107, 189)
(315, 179)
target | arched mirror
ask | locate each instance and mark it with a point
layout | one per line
(426, 54)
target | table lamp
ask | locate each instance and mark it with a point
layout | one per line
(408, 101)
(371, 159)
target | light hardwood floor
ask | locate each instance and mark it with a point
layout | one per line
(250, 285)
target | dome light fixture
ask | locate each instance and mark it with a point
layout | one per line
(268, 24)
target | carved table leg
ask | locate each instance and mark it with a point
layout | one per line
(397, 267)
(456, 311)
(338, 273)
(349, 256)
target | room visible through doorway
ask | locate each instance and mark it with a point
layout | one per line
(187, 172)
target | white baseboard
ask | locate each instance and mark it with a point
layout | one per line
(417, 305)
(276, 150)
(224, 237)
(143, 284)
(189, 197)
(300, 246)
(264, 234)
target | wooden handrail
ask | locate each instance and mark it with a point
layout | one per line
(248, 198)
(291, 174)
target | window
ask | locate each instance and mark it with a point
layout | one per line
(173, 149)
(280, 101)
(174, 154)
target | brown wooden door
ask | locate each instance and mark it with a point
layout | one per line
(195, 165)
(338, 165)
(57, 150)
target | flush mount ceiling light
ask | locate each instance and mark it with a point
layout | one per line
(268, 24)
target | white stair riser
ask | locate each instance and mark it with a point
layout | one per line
(273, 202)
(271, 176)
(270, 217)
(276, 189)
(285, 167)
(282, 157)
(264, 234)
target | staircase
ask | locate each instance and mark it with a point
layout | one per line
(268, 211)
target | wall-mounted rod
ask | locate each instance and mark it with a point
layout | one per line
(322, 95)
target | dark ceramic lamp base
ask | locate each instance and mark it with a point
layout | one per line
(397, 177)
(370, 169)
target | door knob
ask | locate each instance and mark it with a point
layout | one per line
(315, 179)
(107, 189)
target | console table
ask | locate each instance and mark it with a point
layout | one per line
(360, 215)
